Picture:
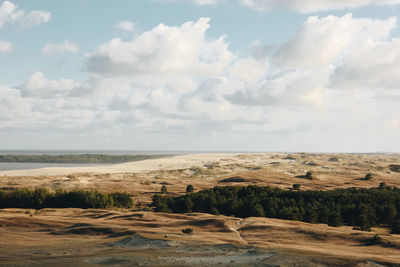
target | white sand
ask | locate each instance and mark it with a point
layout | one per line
(175, 162)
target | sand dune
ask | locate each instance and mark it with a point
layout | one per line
(80, 234)
(142, 179)
(134, 237)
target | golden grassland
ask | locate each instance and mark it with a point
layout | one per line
(140, 236)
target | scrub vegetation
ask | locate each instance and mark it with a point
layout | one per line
(42, 198)
(361, 208)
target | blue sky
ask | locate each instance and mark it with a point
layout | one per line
(262, 75)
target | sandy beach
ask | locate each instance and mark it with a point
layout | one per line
(170, 163)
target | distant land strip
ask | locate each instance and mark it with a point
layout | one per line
(77, 158)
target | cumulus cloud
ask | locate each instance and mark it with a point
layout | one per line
(320, 41)
(11, 14)
(336, 75)
(307, 6)
(39, 86)
(372, 65)
(126, 25)
(183, 50)
(328, 53)
(64, 47)
(5, 47)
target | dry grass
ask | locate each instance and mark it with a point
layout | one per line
(86, 233)
(75, 232)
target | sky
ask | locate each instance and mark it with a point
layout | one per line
(200, 75)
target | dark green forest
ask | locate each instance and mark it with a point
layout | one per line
(361, 208)
(42, 198)
(76, 158)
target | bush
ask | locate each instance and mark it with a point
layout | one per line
(122, 200)
(296, 187)
(382, 185)
(164, 189)
(310, 175)
(368, 177)
(187, 231)
(189, 189)
(396, 227)
(376, 240)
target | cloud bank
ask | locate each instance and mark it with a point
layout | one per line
(334, 84)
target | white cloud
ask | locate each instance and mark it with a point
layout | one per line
(373, 65)
(126, 25)
(39, 86)
(326, 55)
(5, 47)
(65, 47)
(321, 41)
(240, 70)
(307, 6)
(11, 14)
(333, 84)
(164, 50)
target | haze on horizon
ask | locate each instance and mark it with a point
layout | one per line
(200, 75)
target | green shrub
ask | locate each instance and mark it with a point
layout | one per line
(376, 240)
(189, 189)
(368, 177)
(310, 175)
(296, 187)
(122, 200)
(187, 231)
(42, 198)
(395, 227)
(164, 189)
(383, 185)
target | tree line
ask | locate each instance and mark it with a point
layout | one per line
(76, 158)
(361, 208)
(42, 198)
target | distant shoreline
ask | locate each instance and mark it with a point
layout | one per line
(91, 152)
(21, 166)
(171, 152)
(76, 158)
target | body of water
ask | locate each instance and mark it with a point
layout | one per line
(10, 166)
(7, 166)
(105, 152)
